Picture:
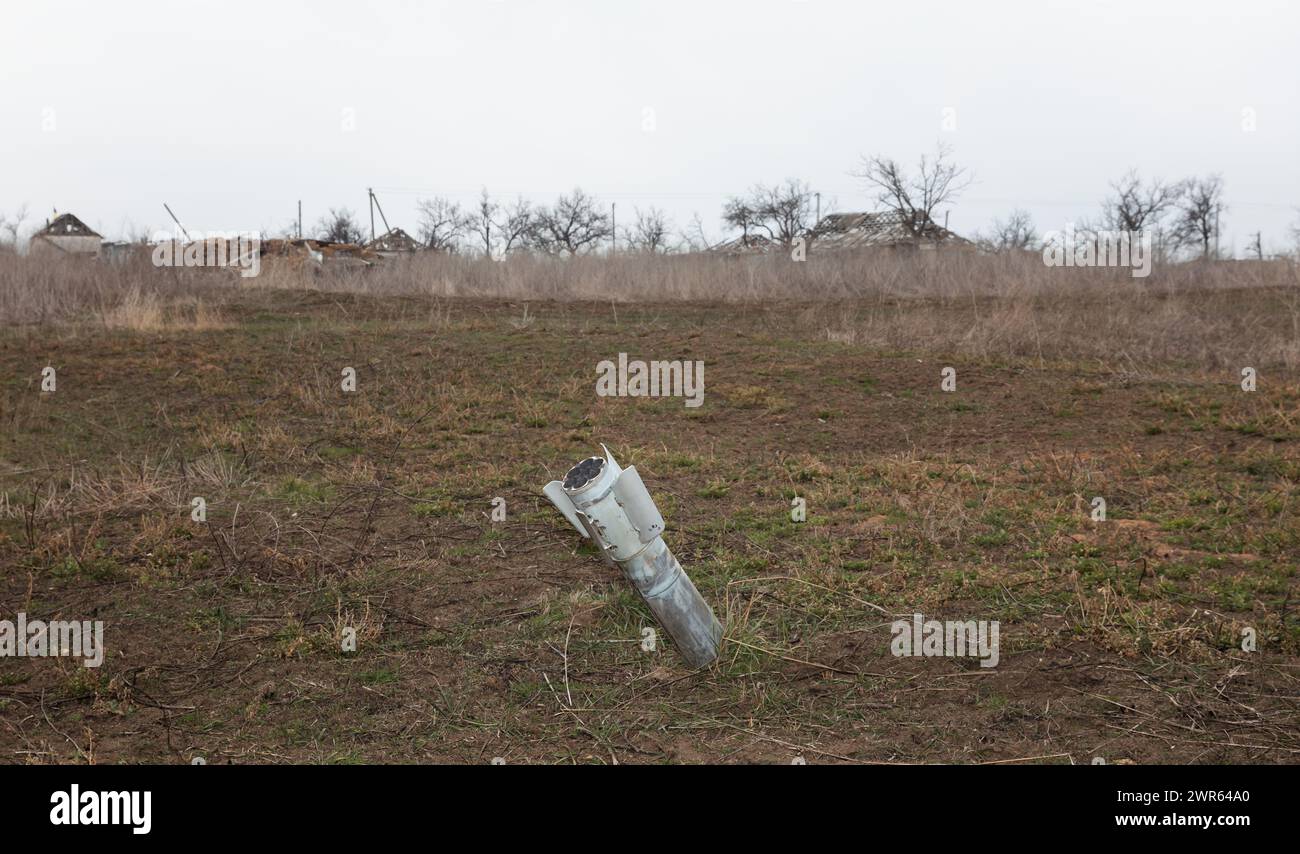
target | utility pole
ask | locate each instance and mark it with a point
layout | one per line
(300, 219)
(382, 218)
(613, 227)
(818, 221)
(177, 221)
(1216, 233)
(370, 193)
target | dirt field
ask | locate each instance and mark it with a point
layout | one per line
(478, 639)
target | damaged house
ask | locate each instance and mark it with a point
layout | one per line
(842, 232)
(316, 255)
(887, 229)
(66, 235)
(394, 244)
(746, 244)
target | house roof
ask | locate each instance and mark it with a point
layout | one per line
(850, 231)
(745, 245)
(886, 228)
(395, 240)
(66, 225)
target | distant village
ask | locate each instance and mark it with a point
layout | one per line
(66, 235)
(1171, 220)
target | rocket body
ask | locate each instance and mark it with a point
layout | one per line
(612, 506)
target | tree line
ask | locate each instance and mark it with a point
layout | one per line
(1183, 216)
(575, 224)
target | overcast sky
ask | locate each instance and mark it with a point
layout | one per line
(233, 111)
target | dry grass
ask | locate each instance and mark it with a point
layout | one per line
(369, 511)
(1210, 315)
(141, 311)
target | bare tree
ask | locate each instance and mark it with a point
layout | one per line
(442, 223)
(693, 237)
(786, 211)
(938, 181)
(572, 225)
(1015, 233)
(340, 226)
(11, 226)
(481, 222)
(515, 228)
(1198, 211)
(740, 213)
(649, 232)
(1257, 246)
(1136, 206)
(781, 212)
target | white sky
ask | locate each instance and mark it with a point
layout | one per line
(233, 111)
